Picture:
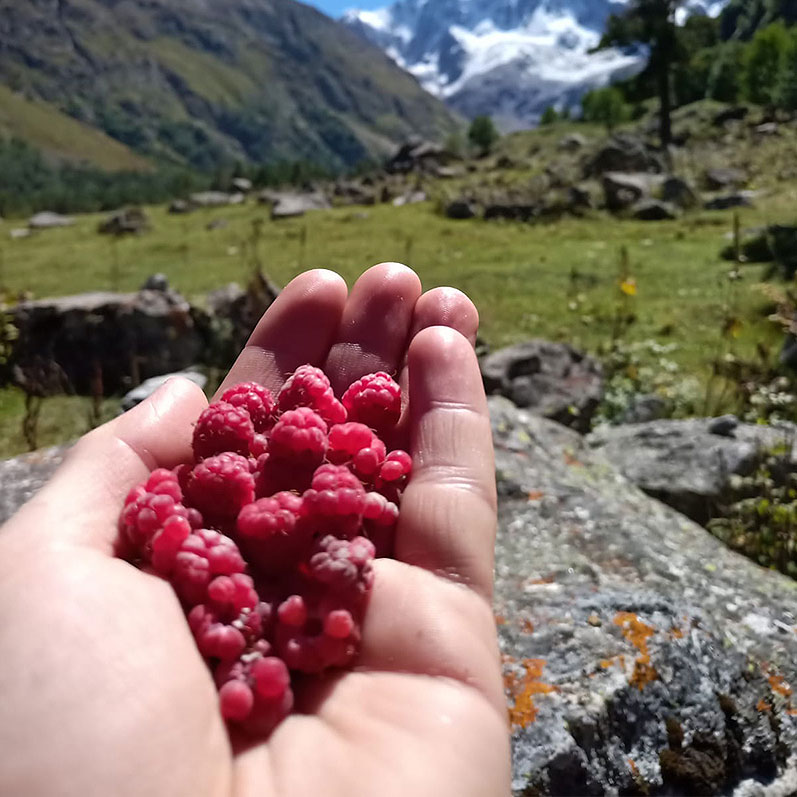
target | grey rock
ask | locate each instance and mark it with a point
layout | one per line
(724, 426)
(580, 197)
(353, 193)
(448, 172)
(733, 114)
(215, 199)
(109, 341)
(149, 386)
(647, 656)
(288, 205)
(551, 379)
(572, 142)
(410, 198)
(741, 199)
(415, 154)
(47, 220)
(512, 209)
(624, 153)
(242, 185)
(725, 177)
(688, 464)
(680, 193)
(654, 210)
(623, 190)
(460, 209)
(768, 129)
(17, 233)
(181, 206)
(156, 282)
(644, 408)
(217, 224)
(126, 221)
(22, 477)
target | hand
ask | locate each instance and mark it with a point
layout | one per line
(102, 690)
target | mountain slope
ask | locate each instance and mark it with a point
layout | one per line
(198, 81)
(507, 58)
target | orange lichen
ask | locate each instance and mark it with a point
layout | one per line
(634, 767)
(523, 711)
(638, 633)
(571, 460)
(779, 686)
(527, 626)
(500, 619)
(534, 582)
(763, 705)
(677, 633)
(535, 495)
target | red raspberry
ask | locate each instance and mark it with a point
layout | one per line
(220, 485)
(335, 500)
(299, 437)
(272, 533)
(255, 692)
(223, 427)
(202, 556)
(256, 400)
(344, 567)
(225, 634)
(378, 509)
(374, 400)
(355, 445)
(396, 468)
(312, 636)
(167, 542)
(308, 386)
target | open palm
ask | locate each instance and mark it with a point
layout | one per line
(102, 690)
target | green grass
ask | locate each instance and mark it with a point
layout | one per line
(54, 132)
(558, 280)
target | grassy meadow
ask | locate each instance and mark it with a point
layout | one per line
(571, 280)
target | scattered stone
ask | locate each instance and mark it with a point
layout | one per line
(680, 192)
(724, 426)
(460, 209)
(688, 464)
(287, 206)
(551, 379)
(410, 198)
(127, 221)
(572, 142)
(768, 129)
(22, 477)
(777, 242)
(181, 206)
(580, 198)
(654, 210)
(622, 190)
(217, 224)
(724, 178)
(416, 154)
(742, 199)
(215, 199)
(17, 233)
(643, 408)
(352, 193)
(624, 153)
(47, 220)
(156, 282)
(511, 210)
(448, 172)
(149, 386)
(242, 185)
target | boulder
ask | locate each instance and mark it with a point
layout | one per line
(242, 185)
(680, 192)
(109, 341)
(127, 221)
(17, 233)
(288, 205)
(623, 190)
(572, 143)
(149, 386)
(654, 210)
(415, 154)
(741, 199)
(47, 220)
(449, 172)
(777, 242)
(639, 655)
(724, 178)
(156, 282)
(215, 199)
(688, 464)
(353, 193)
(624, 153)
(768, 129)
(580, 198)
(551, 379)
(180, 206)
(460, 209)
(410, 198)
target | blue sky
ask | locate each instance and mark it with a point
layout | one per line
(334, 8)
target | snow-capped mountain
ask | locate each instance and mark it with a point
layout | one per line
(507, 58)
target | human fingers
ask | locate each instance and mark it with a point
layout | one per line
(297, 329)
(81, 503)
(375, 326)
(446, 307)
(448, 511)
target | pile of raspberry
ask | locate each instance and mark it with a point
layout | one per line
(268, 537)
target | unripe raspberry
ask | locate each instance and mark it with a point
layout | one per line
(221, 485)
(272, 534)
(308, 386)
(374, 400)
(256, 400)
(299, 437)
(221, 428)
